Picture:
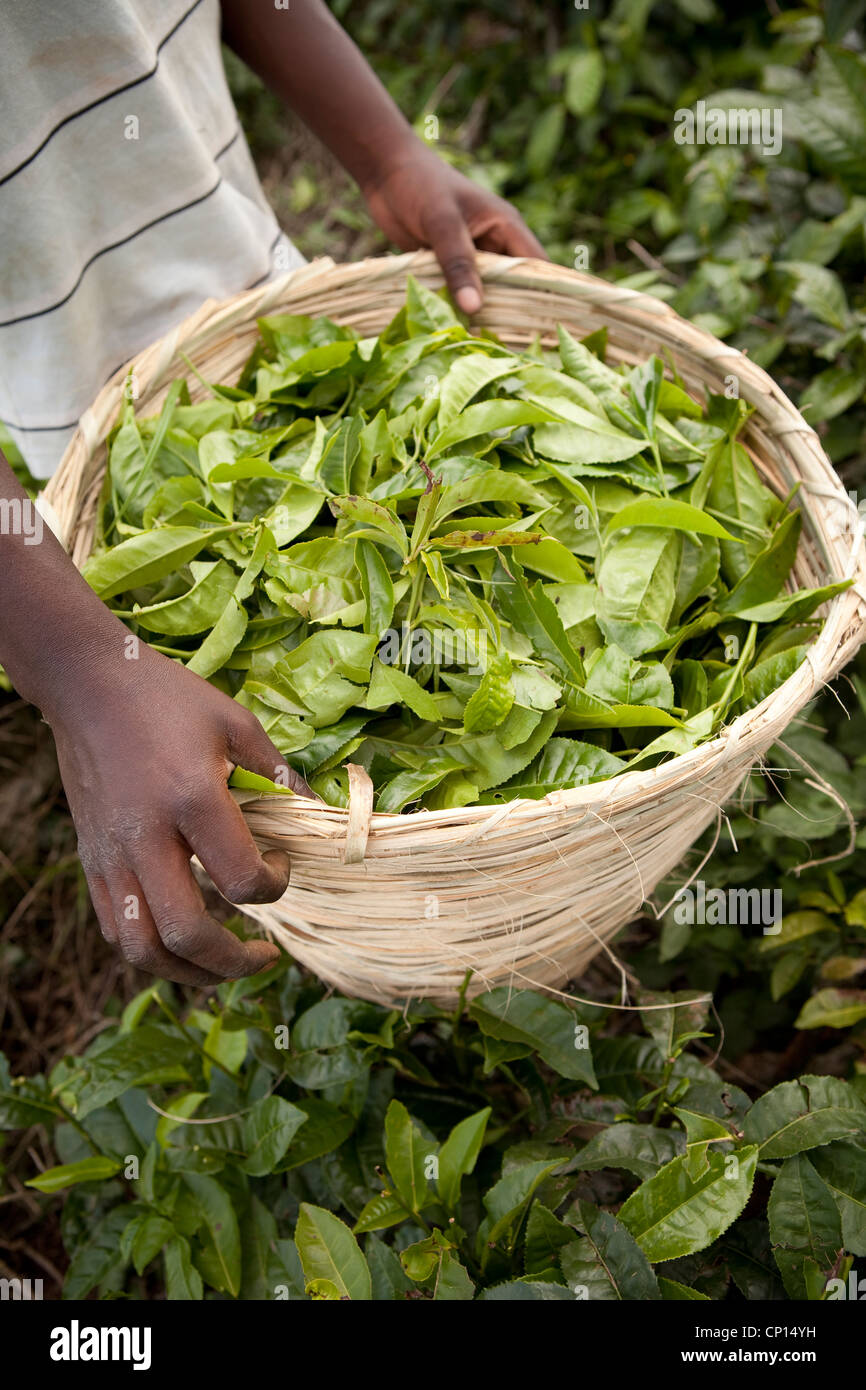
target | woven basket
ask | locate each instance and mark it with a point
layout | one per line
(390, 907)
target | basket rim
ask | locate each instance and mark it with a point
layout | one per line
(745, 738)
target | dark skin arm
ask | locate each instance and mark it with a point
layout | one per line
(145, 749)
(416, 198)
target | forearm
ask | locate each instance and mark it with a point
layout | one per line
(55, 633)
(304, 56)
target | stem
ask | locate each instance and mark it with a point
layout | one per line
(659, 466)
(170, 651)
(76, 1124)
(349, 394)
(745, 655)
(173, 1018)
(783, 506)
(746, 526)
(412, 1215)
(663, 1098)
(414, 595)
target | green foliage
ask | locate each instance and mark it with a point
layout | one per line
(290, 539)
(301, 1146)
(319, 1156)
(571, 113)
(807, 966)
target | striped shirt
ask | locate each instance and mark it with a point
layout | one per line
(127, 197)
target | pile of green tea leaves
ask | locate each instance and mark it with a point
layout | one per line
(481, 574)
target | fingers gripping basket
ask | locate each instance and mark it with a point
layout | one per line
(393, 906)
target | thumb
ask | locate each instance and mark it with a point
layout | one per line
(450, 239)
(251, 748)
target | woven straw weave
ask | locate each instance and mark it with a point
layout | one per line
(390, 907)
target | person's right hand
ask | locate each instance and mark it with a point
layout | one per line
(145, 758)
(419, 200)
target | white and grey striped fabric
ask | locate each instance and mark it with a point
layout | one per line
(127, 197)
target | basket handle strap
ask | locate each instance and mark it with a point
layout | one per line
(360, 813)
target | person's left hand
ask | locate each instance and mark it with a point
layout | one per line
(422, 201)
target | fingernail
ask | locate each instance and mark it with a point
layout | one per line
(468, 299)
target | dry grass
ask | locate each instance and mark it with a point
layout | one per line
(57, 974)
(316, 202)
